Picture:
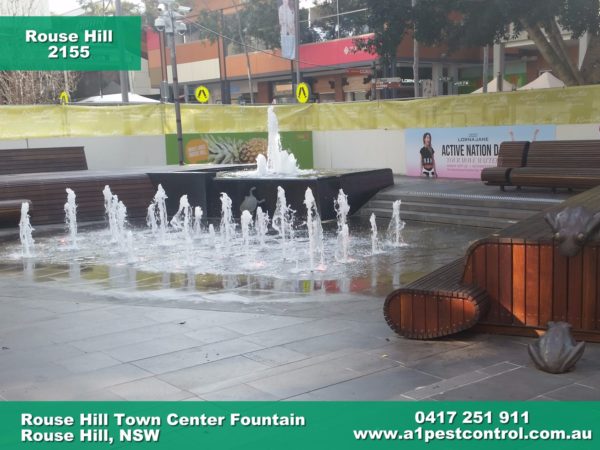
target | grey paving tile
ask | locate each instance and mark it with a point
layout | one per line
(213, 334)
(208, 377)
(71, 387)
(317, 376)
(441, 386)
(345, 339)
(408, 351)
(240, 392)
(263, 323)
(202, 354)
(383, 385)
(575, 392)
(149, 389)
(482, 354)
(88, 362)
(130, 336)
(298, 332)
(155, 347)
(499, 368)
(520, 384)
(275, 356)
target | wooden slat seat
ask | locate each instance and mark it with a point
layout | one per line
(512, 282)
(436, 305)
(560, 164)
(556, 177)
(510, 155)
(36, 160)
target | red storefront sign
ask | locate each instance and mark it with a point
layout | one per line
(332, 53)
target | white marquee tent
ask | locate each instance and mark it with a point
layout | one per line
(116, 98)
(493, 85)
(545, 80)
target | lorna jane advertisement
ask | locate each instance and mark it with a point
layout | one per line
(463, 152)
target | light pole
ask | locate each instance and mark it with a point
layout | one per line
(167, 22)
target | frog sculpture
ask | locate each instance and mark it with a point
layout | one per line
(573, 227)
(556, 351)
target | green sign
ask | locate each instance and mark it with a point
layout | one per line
(70, 43)
(300, 425)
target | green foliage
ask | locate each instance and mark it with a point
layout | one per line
(388, 20)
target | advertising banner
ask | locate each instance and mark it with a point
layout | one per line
(299, 425)
(237, 148)
(287, 25)
(463, 152)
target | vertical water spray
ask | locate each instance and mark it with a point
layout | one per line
(374, 243)
(130, 249)
(227, 228)
(212, 236)
(283, 220)
(71, 217)
(26, 231)
(182, 220)
(197, 221)
(110, 209)
(261, 225)
(121, 220)
(342, 208)
(278, 160)
(246, 222)
(157, 214)
(315, 230)
(396, 225)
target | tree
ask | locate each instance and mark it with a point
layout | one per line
(471, 23)
(389, 20)
(352, 20)
(28, 87)
(107, 8)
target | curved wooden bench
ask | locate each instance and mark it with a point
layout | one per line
(436, 305)
(512, 154)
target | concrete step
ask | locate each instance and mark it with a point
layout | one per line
(494, 223)
(511, 201)
(455, 209)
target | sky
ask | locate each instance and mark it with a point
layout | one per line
(62, 6)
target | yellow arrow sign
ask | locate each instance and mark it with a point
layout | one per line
(202, 94)
(64, 98)
(302, 93)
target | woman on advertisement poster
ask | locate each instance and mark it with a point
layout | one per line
(427, 157)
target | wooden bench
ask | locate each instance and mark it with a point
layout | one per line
(10, 210)
(560, 164)
(436, 305)
(510, 155)
(37, 160)
(512, 282)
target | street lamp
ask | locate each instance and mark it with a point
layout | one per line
(167, 22)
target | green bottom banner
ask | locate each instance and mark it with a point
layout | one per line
(299, 425)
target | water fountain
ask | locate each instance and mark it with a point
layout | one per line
(157, 214)
(71, 217)
(227, 224)
(182, 220)
(197, 221)
(283, 221)
(343, 237)
(261, 225)
(26, 232)
(315, 230)
(280, 169)
(246, 223)
(374, 242)
(396, 225)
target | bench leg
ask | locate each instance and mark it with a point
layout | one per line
(502, 188)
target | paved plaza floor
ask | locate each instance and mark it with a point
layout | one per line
(66, 337)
